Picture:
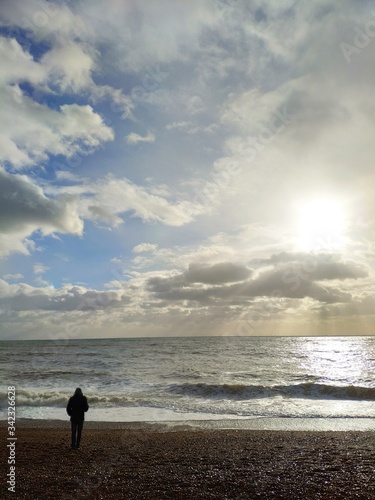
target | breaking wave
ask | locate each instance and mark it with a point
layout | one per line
(189, 394)
(307, 390)
(60, 399)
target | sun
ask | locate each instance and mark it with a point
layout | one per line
(321, 225)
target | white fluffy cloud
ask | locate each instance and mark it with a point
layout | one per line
(43, 19)
(134, 138)
(118, 196)
(69, 67)
(17, 64)
(40, 268)
(35, 131)
(144, 247)
(139, 33)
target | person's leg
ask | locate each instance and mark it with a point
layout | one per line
(79, 428)
(74, 430)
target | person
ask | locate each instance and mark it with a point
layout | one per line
(76, 408)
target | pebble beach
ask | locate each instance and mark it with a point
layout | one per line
(119, 462)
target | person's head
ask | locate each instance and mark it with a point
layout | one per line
(78, 392)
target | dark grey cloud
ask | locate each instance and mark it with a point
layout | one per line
(23, 206)
(338, 271)
(25, 298)
(293, 276)
(223, 272)
(280, 283)
(190, 283)
(316, 267)
(176, 288)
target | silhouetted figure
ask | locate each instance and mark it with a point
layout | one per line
(76, 408)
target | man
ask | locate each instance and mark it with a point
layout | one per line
(76, 408)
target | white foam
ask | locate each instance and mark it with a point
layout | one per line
(176, 420)
(129, 414)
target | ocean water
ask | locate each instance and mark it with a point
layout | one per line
(194, 378)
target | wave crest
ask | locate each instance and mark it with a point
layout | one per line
(305, 390)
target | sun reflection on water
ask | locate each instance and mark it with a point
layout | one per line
(340, 361)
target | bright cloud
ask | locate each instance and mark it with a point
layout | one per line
(117, 196)
(134, 138)
(35, 131)
(40, 268)
(144, 247)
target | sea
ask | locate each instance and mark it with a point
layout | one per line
(247, 382)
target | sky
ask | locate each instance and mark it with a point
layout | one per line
(186, 168)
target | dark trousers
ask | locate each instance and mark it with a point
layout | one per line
(76, 433)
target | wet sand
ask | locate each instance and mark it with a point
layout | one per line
(151, 463)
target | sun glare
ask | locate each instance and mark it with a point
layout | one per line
(321, 225)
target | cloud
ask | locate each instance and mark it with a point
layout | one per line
(18, 65)
(40, 268)
(13, 277)
(40, 282)
(69, 67)
(25, 209)
(23, 297)
(134, 138)
(138, 35)
(189, 127)
(223, 272)
(144, 247)
(35, 131)
(112, 197)
(235, 282)
(318, 267)
(116, 260)
(103, 214)
(278, 283)
(43, 19)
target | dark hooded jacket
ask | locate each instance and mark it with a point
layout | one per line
(77, 406)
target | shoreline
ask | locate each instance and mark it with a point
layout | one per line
(202, 464)
(256, 424)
